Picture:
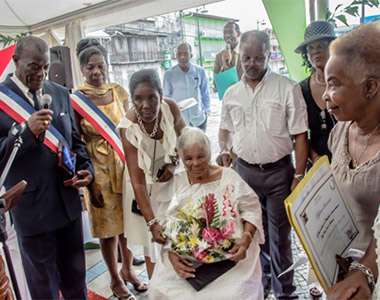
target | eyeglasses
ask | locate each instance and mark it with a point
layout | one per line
(320, 46)
(257, 60)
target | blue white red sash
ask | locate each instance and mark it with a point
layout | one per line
(99, 121)
(20, 111)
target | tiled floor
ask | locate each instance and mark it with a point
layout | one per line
(98, 278)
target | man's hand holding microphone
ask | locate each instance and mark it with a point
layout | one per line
(40, 121)
(226, 57)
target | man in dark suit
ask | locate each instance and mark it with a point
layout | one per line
(48, 216)
(228, 58)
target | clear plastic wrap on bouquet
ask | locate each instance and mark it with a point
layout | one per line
(202, 230)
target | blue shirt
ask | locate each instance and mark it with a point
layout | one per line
(179, 86)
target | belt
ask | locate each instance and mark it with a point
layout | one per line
(281, 162)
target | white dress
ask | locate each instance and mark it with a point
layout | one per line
(135, 229)
(243, 281)
(376, 229)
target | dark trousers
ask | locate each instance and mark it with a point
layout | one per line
(272, 187)
(54, 261)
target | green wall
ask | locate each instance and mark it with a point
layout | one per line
(288, 18)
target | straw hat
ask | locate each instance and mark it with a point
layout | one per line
(315, 31)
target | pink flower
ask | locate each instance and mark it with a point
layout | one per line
(199, 255)
(209, 209)
(228, 230)
(211, 235)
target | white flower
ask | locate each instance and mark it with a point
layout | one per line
(202, 244)
(226, 244)
(194, 229)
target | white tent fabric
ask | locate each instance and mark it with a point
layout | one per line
(50, 37)
(73, 34)
(43, 17)
(39, 15)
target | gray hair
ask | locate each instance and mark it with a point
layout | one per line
(258, 36)
(193, 135)
(361, 48)
(30, 42)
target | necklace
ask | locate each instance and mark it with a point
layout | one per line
(155, 127)
(356, 162)
(317, 81)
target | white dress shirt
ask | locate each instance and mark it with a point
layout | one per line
(264, 120)
(25, 89)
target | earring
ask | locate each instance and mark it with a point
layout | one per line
(369, 96)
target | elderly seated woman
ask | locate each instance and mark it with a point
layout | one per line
(230, 194)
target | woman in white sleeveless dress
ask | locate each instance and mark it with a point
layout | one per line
(149, 134)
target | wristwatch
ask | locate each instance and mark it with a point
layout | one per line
(299, 177)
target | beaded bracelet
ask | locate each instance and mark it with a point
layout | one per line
(151, 223)
(366, 271)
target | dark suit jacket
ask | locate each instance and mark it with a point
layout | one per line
(46, 203)
(219, 63)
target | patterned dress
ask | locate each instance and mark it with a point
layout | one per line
(107, 221)
(243, 281)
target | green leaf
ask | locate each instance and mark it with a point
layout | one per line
(328, 16)
(343, 19)
(336, 8)
(374, 3)
(358, 2)
(353, 11)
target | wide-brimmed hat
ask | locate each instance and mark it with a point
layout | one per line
(315, 31)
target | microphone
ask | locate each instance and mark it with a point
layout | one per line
(18, 129)
(45, 102)
(228, 48)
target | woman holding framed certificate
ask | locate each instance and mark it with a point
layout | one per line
(352, 94)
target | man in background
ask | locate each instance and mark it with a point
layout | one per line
(185, 81)
(229, 56)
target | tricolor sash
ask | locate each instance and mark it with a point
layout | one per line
(99, 121)
(20, 111)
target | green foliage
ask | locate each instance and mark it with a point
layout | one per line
(340, 12)
(7, 40)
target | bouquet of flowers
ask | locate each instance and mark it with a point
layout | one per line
(201, 231)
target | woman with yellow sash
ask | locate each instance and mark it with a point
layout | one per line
(104, 195)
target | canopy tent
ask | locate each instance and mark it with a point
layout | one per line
(72, 19)
(38, 16)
